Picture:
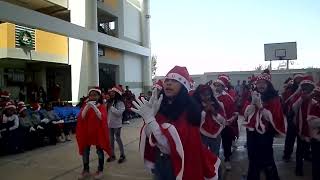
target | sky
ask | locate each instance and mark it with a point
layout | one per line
(229, 35)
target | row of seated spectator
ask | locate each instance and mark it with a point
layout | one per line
(25, 128)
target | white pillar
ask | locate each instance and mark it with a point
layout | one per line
(83, 56)
(92, 47)
(145, 24)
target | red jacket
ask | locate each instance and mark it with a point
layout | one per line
(211, 126)
(190, 158)
(314, 120)
(260, 120)
(228, 106)
(92, 130)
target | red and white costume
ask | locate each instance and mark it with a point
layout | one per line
(191, 160)
(302, 108)
(228, 107)
(314, 117)
(92, 127)
(270, 114)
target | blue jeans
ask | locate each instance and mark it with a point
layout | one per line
(212, 143)
(86, 155)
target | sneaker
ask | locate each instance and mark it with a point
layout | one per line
(122, 159)
(83, 175)
(228, 166)
(112, 158)
(98, 175)
(68, 138)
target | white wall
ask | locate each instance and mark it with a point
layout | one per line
(136, 91)
(132, 22)
(132, 67)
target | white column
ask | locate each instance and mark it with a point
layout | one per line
(145, 30)
(92, 47)
(83, 56)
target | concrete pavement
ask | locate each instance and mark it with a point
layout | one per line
(62, 162)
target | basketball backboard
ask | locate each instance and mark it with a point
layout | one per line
(280, 51)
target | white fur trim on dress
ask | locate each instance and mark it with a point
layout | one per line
(175, 76)
(314, 125)
(206, 133)
(179, 147)
(269, 116)
(142, 145)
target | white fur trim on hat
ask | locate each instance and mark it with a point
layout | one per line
(94, 89)
(298, 75)
(10, 106)
(116, 90)
(22, 109)
(307, 82)
(175, 76)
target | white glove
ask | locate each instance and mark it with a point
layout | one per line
(32, 129)
(61, 121)
(39, 127)
(45, 120)
(146, 109)
(155, 102)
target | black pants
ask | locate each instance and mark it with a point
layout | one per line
(315, 148)
(290, 138)
(260, 153)
(227, 139)
(163, 167)
(86, 155)
(303, 148)
(29, 139)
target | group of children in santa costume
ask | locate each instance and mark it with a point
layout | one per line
(182, 133)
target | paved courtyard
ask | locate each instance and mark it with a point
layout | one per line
(62, 162)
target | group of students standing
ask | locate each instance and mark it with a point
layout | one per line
(301, 104)
(183, 128)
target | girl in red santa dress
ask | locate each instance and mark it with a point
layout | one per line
(92, 129)
(170, 141)
(231, 131)
(301, 104)
(314, 125)
(263, 119)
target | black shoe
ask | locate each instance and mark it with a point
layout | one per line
(122, 159)
(112, 158)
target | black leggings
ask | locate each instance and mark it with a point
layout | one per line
(260, 153)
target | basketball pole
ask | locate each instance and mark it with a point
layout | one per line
(270, 65)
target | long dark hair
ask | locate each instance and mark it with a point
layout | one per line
(182, 103)
(117, 98)
(269, 93)
(197, 97)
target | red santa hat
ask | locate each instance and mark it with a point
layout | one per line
(181, 75)
(307, 79)
(36, 106)
(5, 94)
(117, 89)
(298, 75)
(21, 106)
(158, 85)
(225, 76)
(10, 105)
(222, 80)
(265, 75)
(97, 89)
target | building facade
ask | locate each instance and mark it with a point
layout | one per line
(75, 44)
